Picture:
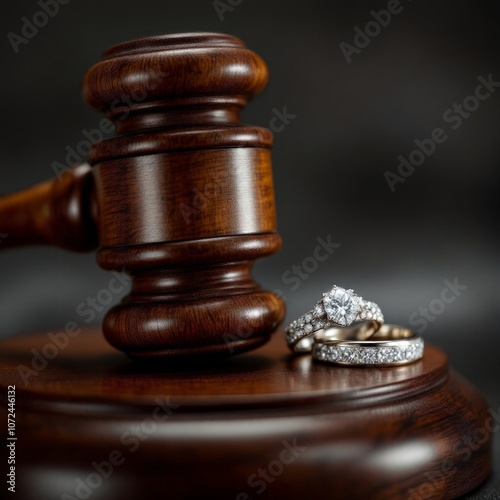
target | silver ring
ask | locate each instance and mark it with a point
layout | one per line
(338, 307)
(391, 345)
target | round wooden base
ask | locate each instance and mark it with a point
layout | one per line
(91, 423)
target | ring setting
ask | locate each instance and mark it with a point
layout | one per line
(338, 308)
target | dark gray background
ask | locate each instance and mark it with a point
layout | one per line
(352, 122)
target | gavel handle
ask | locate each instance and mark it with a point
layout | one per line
(60, 212)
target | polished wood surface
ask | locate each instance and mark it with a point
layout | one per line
(60, 212)
(206, 429)
(182, 198)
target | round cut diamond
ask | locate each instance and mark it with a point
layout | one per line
(341, 307)
(333, 353)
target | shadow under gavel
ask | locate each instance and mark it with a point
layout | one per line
(181, 199)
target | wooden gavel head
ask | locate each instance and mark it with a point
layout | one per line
(181, 198)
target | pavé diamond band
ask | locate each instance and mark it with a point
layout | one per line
(338, 307)
(390, 345)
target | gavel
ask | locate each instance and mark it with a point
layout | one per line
(181, 198)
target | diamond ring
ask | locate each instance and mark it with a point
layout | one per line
(389, 346)
(338, 307)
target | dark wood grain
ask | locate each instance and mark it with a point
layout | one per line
(182, 198)
(61, 212)
(409, 432)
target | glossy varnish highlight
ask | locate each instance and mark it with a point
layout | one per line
(182, 198)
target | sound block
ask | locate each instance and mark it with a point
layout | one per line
(94, 424)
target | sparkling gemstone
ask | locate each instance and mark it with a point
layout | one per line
(308, 318)
(342, 354)
(333, 353)
(318, 311)
(368, 355)
(420, 349)
(389, 355)
(414, 351)
(351, 355)
(411, 352)
(341, 307)
(308, 328)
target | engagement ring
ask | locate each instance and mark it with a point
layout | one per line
(338, 307)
